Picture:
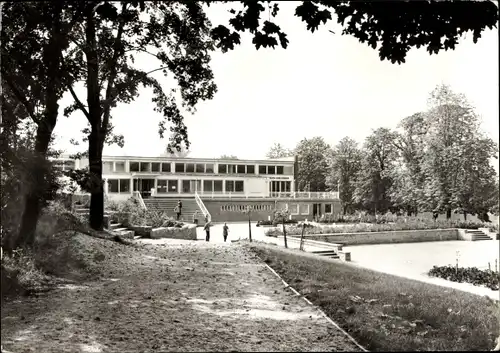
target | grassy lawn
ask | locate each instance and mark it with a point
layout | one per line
(384, 312)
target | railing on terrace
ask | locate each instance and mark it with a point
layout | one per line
(305, 195)
(202, 207)
(139, 198)
(274, 195)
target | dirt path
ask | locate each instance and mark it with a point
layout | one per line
(189, 296)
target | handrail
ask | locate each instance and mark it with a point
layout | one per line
(202, 207)
(139, 198)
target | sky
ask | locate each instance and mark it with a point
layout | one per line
(323, 84)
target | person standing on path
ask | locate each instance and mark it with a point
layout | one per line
(177, 212)
(179, 205)
(206, 228)
(225, 231)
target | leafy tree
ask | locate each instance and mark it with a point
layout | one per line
(477, 179)
(344, 167)
(228, 156)
(182, 152)
(456, 156)
(374, 178)
(279, 151)
(312, 157)
(407, 176)
(176, 34)
(34, 38)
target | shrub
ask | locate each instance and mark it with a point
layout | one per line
(275, 222)
(407, 224)
(469, 275)
(494, 228)
(132, 213)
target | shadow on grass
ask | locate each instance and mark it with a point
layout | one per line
(384, 312)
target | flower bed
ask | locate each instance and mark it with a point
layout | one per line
(471, 275)
(274, 223)
(392, 218)
(414, 224)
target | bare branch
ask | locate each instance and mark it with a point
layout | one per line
(79, 102)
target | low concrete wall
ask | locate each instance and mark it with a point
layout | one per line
(187, 232)
(403, 236)
(143, 231)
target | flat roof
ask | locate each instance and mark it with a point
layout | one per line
(286, 160)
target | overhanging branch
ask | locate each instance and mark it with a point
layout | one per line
(29, 106)
(79, 102)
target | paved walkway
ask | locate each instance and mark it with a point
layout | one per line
(179, 296)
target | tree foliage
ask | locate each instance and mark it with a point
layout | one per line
(374, 178)
(391, 27)
(344, 167)
(228, 157)
(279, 151)
(312, 157)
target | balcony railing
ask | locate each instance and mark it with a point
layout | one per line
(304, 195)
(333, 195)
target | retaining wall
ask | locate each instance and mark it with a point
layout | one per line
(403, 236)
(187, 232)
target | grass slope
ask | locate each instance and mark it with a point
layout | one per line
(384, 312)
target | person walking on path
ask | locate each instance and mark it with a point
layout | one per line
(195, 217)
(206, 228)
(225, 231)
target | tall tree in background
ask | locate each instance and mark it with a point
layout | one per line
(228, 157)
(313, 157)
(374, 178)
(477, 179)
(407, 176)
(456, 157)
(279, 151)
(344, 167)
(181, 152)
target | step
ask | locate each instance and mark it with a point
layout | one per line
(481, 238)
(322, 251)
(328, 254)
(114, 225)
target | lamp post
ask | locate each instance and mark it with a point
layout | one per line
(248, 211)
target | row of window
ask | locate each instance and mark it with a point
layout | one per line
(168, 185)
(241, 208)
(202, 168)
(119, 185)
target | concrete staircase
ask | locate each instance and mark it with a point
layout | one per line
(327, 253)
(189, 207)
(117, 228)
(477, 234)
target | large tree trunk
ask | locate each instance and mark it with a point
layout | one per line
(448, 213)
(96, 219)
(39, 169)
(36, 189)
(95, 113)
